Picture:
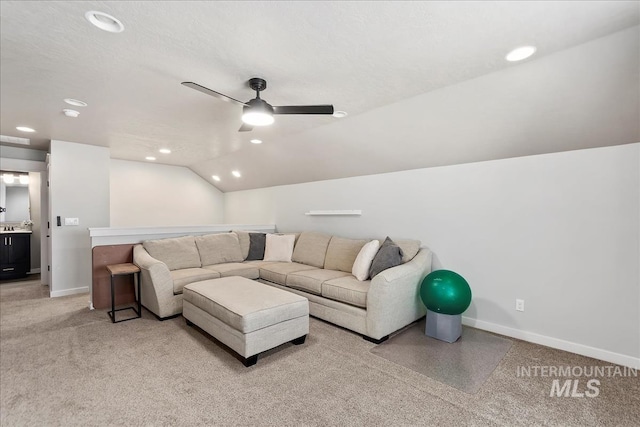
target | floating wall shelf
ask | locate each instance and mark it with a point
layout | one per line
(356, 212)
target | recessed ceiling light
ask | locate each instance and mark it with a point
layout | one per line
(165, 151)
(520, 53)
(340, 114)
(75, 102)
(236, 174)
(104, 21)
(215, 178)
(71, 113)
(25, 129)
(256, 141)
(150, 158)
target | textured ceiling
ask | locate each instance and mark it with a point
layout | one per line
(424, 83)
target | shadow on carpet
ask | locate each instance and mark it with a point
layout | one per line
(465, 364)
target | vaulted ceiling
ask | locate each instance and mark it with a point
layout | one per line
(424, 83)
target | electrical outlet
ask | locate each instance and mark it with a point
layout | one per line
(519, 305)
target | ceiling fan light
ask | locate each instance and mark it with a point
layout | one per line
(257, 118)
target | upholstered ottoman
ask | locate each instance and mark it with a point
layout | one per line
(248, 316)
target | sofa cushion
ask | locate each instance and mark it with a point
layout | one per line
(243, 239)
(279, 247)
(311, 248)
(177, 252)
(219, 248)
(389, 255)
(235, 269)
(277, 272)
(257, 243)
(258, 263)
(341, 253)
(189, 275)
(363, 261)
(347, 289)
(312, 280)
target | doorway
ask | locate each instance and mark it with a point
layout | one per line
(24, 207)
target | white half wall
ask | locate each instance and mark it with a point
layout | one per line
(560, 231)
(145, 194)
(79, 188)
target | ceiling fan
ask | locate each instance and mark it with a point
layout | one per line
(258, 112)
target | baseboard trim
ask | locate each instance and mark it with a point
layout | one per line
(572, 347)
(65, 292)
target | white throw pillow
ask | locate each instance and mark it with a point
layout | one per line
(364, 259)
(279, 247)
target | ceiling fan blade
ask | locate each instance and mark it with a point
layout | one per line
(245, 128)
(303, 109)
(213, 93)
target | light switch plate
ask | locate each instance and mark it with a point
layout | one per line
(71, 221)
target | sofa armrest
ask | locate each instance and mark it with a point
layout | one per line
(394, 300)
(156, 284)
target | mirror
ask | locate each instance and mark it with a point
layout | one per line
(14, 197)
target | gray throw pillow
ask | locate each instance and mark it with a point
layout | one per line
(256, 246)
(389, 255)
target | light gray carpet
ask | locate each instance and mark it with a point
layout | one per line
(465, 364)
(61, 364)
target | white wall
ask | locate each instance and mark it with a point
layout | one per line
(35, 212)
(146, 194)
(560, 231)
(79, 188)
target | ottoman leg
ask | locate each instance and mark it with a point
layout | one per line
(299, 340)
(250, 361)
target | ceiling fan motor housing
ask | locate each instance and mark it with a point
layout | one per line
(258, 105)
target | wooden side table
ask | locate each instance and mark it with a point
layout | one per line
(123, 270)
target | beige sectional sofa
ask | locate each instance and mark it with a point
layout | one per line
(320, 270)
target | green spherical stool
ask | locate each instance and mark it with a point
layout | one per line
(446, 295)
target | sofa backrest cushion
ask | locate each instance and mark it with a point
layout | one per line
(409, 248)
(243, 238)
(311, 248)
(389, 255)
(177, 252)
(219, 248)
(341, 253)
(257, 242)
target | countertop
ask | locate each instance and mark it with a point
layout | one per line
(15, 231)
